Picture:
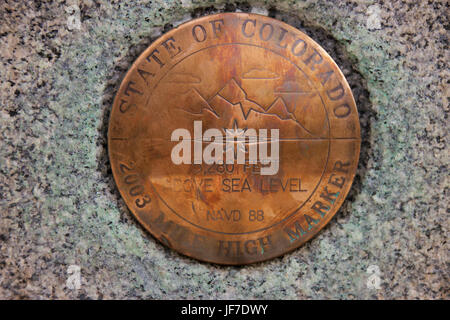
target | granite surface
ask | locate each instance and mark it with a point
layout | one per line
(61, 63)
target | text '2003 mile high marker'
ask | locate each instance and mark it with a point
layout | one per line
(234, 138)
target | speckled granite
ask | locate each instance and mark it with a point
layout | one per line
(59, 204)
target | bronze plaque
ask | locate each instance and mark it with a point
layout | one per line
(234, 138)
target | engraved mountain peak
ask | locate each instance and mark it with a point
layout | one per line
(195, 103)
(279, 108)
(232, 92)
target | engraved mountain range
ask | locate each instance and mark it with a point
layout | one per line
(231, 104)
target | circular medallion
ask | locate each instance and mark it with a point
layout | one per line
(234, 138)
